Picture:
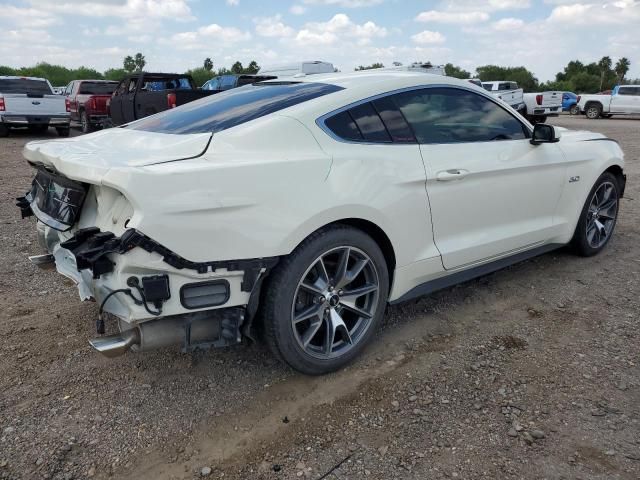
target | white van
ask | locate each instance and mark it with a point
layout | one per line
(298, 68)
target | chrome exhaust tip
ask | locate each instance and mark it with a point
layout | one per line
(45, 262)
(116, 345)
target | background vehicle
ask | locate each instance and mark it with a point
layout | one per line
(507, 92)
(541, 105)
(243, 208)
(624, 100)
(291, 69)
(142, 94)
(226, 82)
(87, 102)
(30, 102)
(570, 103)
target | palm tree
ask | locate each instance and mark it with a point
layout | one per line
(605, 66)
(622, 67)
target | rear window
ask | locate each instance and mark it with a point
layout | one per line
(97, 88)
(24, 85)
(155, 84)
(232, 107)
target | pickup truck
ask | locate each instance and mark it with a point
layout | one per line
(226, 82)
(508, 92)
(541, 105)
(624, 100)
(30, 102)
(142, 94)
(87, 102)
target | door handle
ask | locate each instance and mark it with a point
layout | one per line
(451, 174)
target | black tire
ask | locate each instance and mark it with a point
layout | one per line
(63, 131)
(281, 291)
(4, 130)
(593, 111)
(574, 110)
(85, 123)
(580, 240)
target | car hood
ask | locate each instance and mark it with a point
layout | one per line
(89, 157)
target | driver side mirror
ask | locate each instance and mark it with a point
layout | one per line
(543, 133)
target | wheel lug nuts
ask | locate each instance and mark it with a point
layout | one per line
(321, 299)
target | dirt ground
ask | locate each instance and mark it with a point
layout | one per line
(532, 372)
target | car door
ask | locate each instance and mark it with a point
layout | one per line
(491, 192)
(115, 103)
(128, 100)
(377, 160)
(626, 100)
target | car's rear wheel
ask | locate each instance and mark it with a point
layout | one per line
(574, 110)
(4, 130)
(598, 217)
(593, 111)
(85, 124)
(324, 302)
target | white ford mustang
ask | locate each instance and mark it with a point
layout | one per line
(299, 209)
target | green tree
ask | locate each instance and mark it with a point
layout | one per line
(208, 64)
(140, 61)
(521, 75)
(252, 68)
(116, 74)
(451, 70)
(622, 67)
(237, 68)
(129, 64)
(585, 82)
(369, 67)
(200, 75)
(604, 66)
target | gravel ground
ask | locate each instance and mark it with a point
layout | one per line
(531, 372)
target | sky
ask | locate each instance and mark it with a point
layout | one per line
(176, 35)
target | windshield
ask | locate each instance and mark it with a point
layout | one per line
(24, 85)
(97, 88)
(232, 107)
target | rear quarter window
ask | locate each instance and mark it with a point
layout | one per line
(232, 107)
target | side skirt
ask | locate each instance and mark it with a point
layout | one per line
(474, 272)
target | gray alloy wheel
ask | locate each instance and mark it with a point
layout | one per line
(601, 214)
(574, 110)
(335, 302)
(592, 112)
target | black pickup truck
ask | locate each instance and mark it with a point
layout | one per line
(142, 94)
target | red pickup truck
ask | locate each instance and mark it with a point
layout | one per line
(87, 102)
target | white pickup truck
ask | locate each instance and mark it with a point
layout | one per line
(624, 100)
(507, 92)
(542, 105)
(30, 102)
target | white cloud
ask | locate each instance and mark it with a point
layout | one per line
(339, 27)
(484, 5)
(452, 17)
(194, 40)
(344, 3)
(26, 17)
(505, 24)
(128, 9)
(272, 27)
(617, 12)
(428, 37)
(297, 9)
(233, 3)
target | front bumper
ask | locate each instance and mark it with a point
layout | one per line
(26, 120)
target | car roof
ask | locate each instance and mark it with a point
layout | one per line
(95, 81)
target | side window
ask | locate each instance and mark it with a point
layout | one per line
(369, 123)
(378, 121)
(624, 91)
(452, 115)
(227, 82)
(132, 85)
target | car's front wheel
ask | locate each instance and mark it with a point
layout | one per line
(598, 217)
(324, 302)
